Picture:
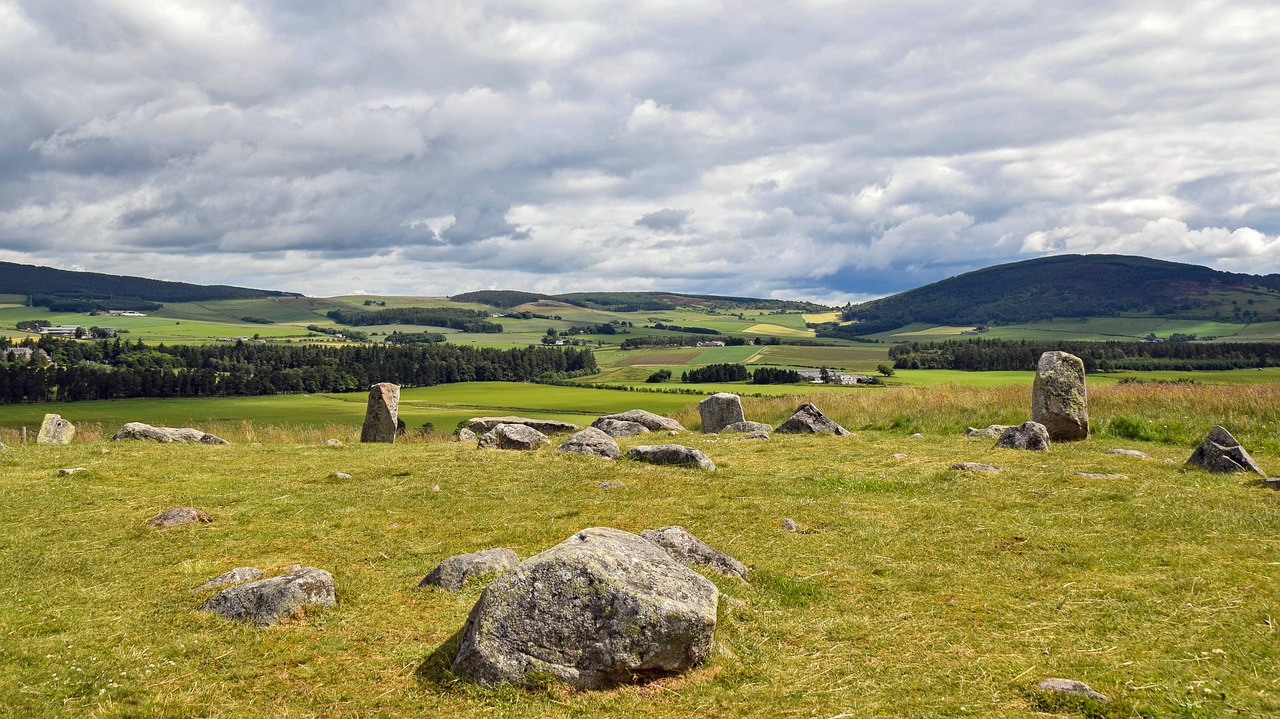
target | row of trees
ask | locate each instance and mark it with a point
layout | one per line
(998, 354)
(451, 317)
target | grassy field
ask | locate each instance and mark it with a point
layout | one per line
(913, 590)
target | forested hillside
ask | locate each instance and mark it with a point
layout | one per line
(995, 354)
(19, 279)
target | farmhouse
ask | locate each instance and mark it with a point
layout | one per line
(61, 330)
(815, 376)
(23, 353)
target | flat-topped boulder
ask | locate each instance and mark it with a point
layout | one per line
(808, 419)
(602, 608)
(591, 442)
(649, 420)
(1220, 452)
(619, 427)
(182, 435)
(676, 454)
(513, 436)
(452, 573)
(1059, 400)
(267, 601)
(480, 425)
(747, 427)
(719, 411)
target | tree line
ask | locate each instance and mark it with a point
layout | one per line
(1003, 354)
(451, 317)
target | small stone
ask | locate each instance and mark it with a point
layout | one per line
(179, 516)
(1070, 686)
(452, 573)
(235, 576)
(761, 435)
(974, 467)
(435, 488)
(790, 525)
(333, 443)
(671, 454)
(1091, 475)
(1129, 453)
(341, 475)
(1028, 435)
(688, 549)
(72, 470)
(611, 485)
(267, 601)
(991, 431)
(917, 435)
(899, 455)
(1272, 482)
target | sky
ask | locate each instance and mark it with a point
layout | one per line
(831, 151)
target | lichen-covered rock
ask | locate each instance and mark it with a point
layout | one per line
(452, 573)
(1220, 452)
(974, 467)
(481, 425)
(513, 436)
(991, 431)
(234, 576)
(719, 411)
(602, 608)
(676, 454)
(747, 427)
(55, 430)
(619, 427)
(267, 601)
(1058, 397)
(381, 415)
(808, 419)
(183, 435)
(591, 442)
(1070, 686)
(1028, 435)
(688, 549)
(466, 435)
(651, 421)
(178, 516)
(1129, 453)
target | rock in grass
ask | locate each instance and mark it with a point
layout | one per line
(761, 435)
(688, 549)
(55, 430)
(917, 435)
(719, 411)
(1059, 400)
(481, 425)
(1093, 475)
(1129, 453)
(466, 435)
(452, 573)
(381, 420)
(600, 609)
(267, 601)
(974, 467)
(808, 419)
(1028, 435)
(1220, 452)
(234, 576)
(676, 454)
(649, 420)
(619, 427)
(1072, 687)
(790, 525)
(991, 431)
(68, 471)
(591, 442)
(183, 435)
(179, 516)
(513, 436)
(747, 427)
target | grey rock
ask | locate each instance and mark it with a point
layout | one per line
(1272, 482)
(790, 524)
(1028, 435)
(654, 422)
(689, 550)
(55, 430)
(719, 411)
(182, 435)
(899, 455)
(267, 601)
(619, 427)
(1070, 686)
(381, 415)
(974, 467)
(179, 516)
(454, 572)
(513, 436)
(591, 442)
(333, 443)
(747, 427)
(1059, 400)
(808, 419)
(235, 576)
(341, 475)
(1129, 453)
(68, 471)
(1221, 453)
(611, 485)
(602, 608)
(671, 454)
(481, 425)
(761, 435)
(917, 435)
(991, 431)
(466, 435)
(1092, 475)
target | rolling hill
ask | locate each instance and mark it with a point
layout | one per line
(20, 279)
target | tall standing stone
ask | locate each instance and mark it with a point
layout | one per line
(55, 430)
(380, 416)
(719, 411)
(1058, 397)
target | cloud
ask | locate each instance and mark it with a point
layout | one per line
(664, 220)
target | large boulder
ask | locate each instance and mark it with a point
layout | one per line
(808, 419)
(1058, 397)
(1028, 435)
(450, 574)
(267, 601)
(184, 435)
(655, 422)
(513, 436)
(381, 414)
(719, 411)
(688, 549)
(602, 608)
(480, 425)
(1220, 452)
(676, 454)
(619, 427)
(591, 442)
(55, 430)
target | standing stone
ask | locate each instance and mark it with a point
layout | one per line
(1058, 397)
(1220, 452)
(380, 416)
(719, 411)
(55, 430)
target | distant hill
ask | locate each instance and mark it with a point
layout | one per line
(90, 286)
(1059, 286)
(634, 301)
